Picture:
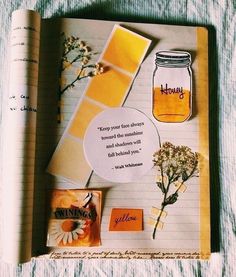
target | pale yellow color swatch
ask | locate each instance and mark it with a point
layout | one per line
(126, 50)
(109, 88)
(202, 93)
(69, 161)
(86, 112)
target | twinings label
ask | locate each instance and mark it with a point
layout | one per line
(62, 213)
(75, 218)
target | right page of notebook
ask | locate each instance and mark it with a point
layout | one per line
(184, 228)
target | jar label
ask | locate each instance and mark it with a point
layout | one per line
(167, 90)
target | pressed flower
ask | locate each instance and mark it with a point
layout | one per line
(86, 50)
(81, 44)
(78, 54)
(85, 60)
(175, 165)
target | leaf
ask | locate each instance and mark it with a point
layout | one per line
(171, 199)
(161, 186)
(184, 176)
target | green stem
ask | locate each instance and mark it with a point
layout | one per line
(73, 61)
(162, 209)
(66, 53)
(157, 221)
(78, 77)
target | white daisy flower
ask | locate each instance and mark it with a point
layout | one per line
(67, 230)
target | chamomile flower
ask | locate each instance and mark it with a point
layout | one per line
(67, 230)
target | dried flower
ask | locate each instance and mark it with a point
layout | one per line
(175, 164)
(76, 53)
(85, 60)
(81, 44)
(86, 50)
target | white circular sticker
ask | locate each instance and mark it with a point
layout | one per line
(119, 144)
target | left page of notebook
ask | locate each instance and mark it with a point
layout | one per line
(19, 136)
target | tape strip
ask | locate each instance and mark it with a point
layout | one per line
(180, 186)
(159, 178)
(152, 221)
(122, 55)
(157, 212)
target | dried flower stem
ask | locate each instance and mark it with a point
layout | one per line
(76, 51)
(175, 163)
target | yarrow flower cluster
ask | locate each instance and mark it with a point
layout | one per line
(175, 165)
(177, 162)
(76, 56)
(77, 53)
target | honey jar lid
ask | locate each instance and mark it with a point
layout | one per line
(173, 59)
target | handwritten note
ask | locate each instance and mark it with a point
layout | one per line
(126, 220)
(20, 137)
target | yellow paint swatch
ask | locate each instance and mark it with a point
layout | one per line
(109, 88)
(121, 57)
(86, 112)
(69, 161)
(126, 49)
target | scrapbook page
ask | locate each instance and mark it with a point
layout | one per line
(121, 152)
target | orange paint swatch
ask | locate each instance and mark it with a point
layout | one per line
(126, 220)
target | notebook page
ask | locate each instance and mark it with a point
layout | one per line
(181, 232)
(20, 137)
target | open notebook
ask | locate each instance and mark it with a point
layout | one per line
(61, 119)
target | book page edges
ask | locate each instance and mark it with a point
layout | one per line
(203, 93)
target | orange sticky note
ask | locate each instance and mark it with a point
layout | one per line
(126, 220)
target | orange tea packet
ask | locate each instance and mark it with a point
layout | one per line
(74, 218)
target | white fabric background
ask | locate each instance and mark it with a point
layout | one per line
(220, 16)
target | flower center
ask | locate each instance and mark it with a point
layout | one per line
(69, 226)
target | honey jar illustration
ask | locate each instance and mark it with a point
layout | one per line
(172, 82)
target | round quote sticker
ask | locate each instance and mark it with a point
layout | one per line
(119, 144)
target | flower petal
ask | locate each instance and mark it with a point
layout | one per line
(70, 237)
(75, 236)
(59, 238)
(65, 238)
(80, 231)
